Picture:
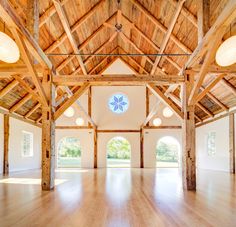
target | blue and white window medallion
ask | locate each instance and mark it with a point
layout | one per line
(118, 103)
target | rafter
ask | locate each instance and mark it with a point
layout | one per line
(161, 26)
(208, 112)
(158, 93)
(168, 34)
(66, 26)
(31, 111)
(8, 88)
(71, 100)
(229, 86)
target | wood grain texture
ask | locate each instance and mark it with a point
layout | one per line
(117, 198)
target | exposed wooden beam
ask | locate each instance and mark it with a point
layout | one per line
(28, 62)
(12, 20)
(27, 87)
(8, 88)
(232, 142)
(48, 14)
(163, 127)
(203, 18)
(68, 80)
(189, 138)
(168, 34)
(6, 129)
(208, 88)
(66, 26)
(158, 93)
(95, 144)
(204, 69)
(161, 26)
(30, 112)
(48, 135)
(71, 100)
(19, 104)
(32, 18)
(217, 29)
(228, 85)
(208, 112)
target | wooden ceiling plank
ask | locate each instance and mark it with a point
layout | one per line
(66, 26)
(31, 111)
(27, 88)
(229, 85)
(161, 27)
(19, 104)
(168, 34)
(8, 88)
(209, 113)
(158, 93)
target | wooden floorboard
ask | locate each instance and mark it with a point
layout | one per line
(118, 197)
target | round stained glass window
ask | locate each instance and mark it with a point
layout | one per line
(118, 103)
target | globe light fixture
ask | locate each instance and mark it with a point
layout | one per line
(157, 122)
(9, 51)
(69, 112)
(167, 112)
(79, 121)
(226, 53)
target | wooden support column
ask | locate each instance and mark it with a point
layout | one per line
(232, 143)
(188, 127)
(90, 103)
(48, 135)
(95, 147)
(147, 103)
(141, 148)
(6, 145)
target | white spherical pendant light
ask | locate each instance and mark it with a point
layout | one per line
(226, 53)
(157, 122)
(69, 112)
(167, 112)
(9, 51)
(79, 121)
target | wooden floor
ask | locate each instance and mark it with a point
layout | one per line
(118, 197)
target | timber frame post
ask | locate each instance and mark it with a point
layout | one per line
(232, 142)
(6, 145)
(95, 137)
(189, 139)
(48, 134)
(141, 148)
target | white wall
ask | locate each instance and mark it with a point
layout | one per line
(219, 161)
(86, 141)
(151, 137)
(16, 160)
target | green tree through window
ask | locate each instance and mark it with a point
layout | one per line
(69, 152)
(118, 152)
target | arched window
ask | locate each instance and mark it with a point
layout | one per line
(118, 152)
(167, 152)
(69, 153)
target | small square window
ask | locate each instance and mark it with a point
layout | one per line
(211, 143)
(27, 144)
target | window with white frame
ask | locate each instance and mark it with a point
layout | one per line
(27, 144)
(211, 143)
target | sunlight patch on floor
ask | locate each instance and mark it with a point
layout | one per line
(29, 181)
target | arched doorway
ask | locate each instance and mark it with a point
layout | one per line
(69, 153)
(118, 152)
(168, 152)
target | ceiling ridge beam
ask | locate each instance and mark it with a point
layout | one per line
(168, 34)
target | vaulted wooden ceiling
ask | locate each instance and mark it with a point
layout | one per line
(88, 27)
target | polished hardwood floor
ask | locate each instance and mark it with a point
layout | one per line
(118, 197)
